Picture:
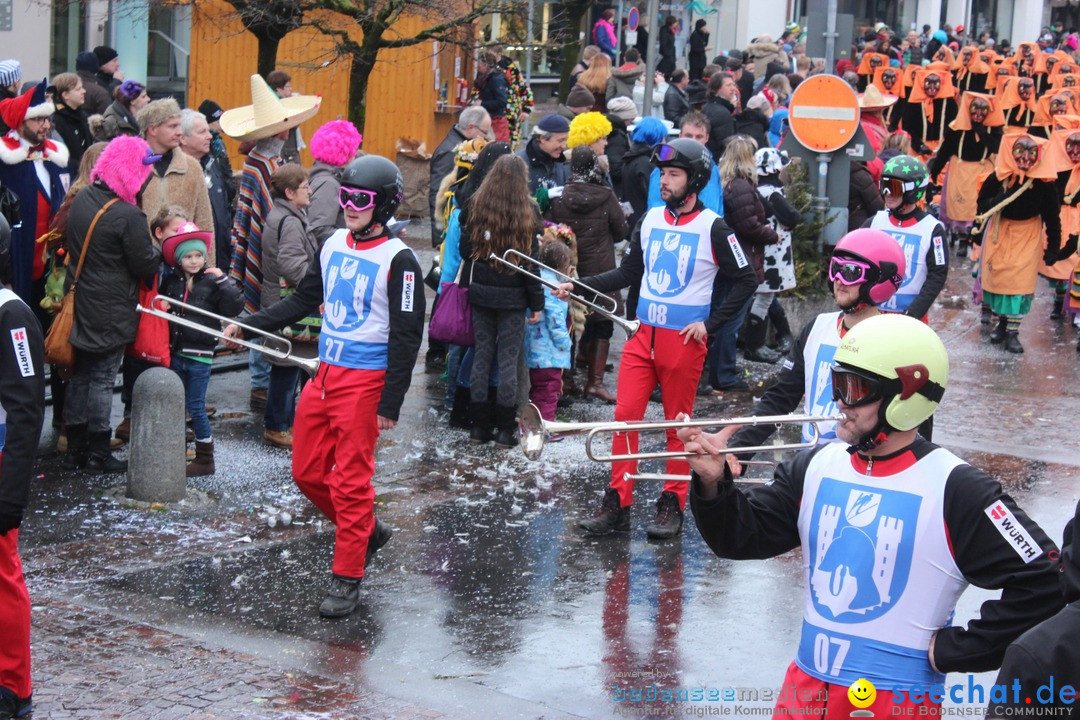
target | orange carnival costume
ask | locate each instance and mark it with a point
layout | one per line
(931, 107)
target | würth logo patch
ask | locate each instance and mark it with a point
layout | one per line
(22, 352)
(1014, 533)
(408, 288)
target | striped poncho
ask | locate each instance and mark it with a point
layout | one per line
(253, 205)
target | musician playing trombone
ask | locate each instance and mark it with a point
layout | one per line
(676, 252)
(369, 284)
(892, 529)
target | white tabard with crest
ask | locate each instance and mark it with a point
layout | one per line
(676, 289)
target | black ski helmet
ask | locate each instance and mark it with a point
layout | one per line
(691, 156)
(382, 177)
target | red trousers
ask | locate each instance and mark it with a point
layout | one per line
(801, 693)
(14, 619)
(334, 437)
(500, 127)
(655, 354)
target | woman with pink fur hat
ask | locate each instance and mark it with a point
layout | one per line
(118, 254)
(333, 146)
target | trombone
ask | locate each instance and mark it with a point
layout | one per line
(534, 432)
(310, 366)
(628, 326)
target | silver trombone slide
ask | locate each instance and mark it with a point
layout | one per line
(670, 477)
(311, 366)
(778, 420)
(628, 326)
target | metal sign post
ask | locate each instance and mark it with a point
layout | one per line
(650, 62)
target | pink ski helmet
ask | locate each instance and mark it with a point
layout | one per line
(883, 258)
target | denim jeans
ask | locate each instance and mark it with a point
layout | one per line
(259, 367)
(721, 361)
(454, 354)
(89, 400)
(196, 377)
(281, 397)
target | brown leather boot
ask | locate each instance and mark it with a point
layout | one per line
(203, 464)
(597, 360)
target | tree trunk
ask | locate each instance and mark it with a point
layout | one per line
(363, 62)
(572, 48)
(268, 48)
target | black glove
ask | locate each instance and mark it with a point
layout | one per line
(976, 239)
(1069, 248)
(10, 517)
(1050, 256)
(923, 149)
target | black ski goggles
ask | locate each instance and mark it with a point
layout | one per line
(854, 389)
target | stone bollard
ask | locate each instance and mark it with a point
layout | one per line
(157, 464)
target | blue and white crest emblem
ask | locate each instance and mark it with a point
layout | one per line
(821, 400)
(669, 261)
(350, 285)
(861, 543)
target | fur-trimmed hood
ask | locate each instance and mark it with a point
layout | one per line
(14, 149)
(121, 167)
(629, 74)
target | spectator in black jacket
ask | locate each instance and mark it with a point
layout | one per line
(621, 110)
(864, 200)
(637, 166)
(493, 92)
(69, 121)
(676, 101)
(699, 44)
(666, 64)
(720, 109)
(473, 122)
(744, 80)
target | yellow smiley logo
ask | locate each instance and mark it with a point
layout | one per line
(862, 693)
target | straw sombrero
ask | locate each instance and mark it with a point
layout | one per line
(268, 114)
(874, 99)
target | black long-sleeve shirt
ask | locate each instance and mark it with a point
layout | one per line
(406, 320)
(1039, 199)
(22, 396)
(743, 279)
(974, 145)
(762, 522)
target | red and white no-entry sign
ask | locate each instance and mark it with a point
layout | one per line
(823, 113)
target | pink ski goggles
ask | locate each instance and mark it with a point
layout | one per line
(848, 271)
(356, 199)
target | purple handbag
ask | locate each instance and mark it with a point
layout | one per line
(451, 321)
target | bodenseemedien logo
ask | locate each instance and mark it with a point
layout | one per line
(862, 694)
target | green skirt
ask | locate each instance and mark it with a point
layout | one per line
(1008, 304)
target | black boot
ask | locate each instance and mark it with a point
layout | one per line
(78, 448)
(100, 460)
(506, 426)
(342, 597)
(610, 517)
(986, 315)
(459, 415)
(997, 335)
(669, 518)
(480, 417)
(1012, 342)
(962, 246)
(755, 342)
(1059, 303)
(779, 321)
(379, 537)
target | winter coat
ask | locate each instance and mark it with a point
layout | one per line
(97, 97)
(618, 144)
(117, 121)
(622, 81)
(666, 64)
(637, 167)
(547, 343)
(544, 170)
(218, 295)
(755, 124)
(492, 285)
(699, 40)
(120, 254)
(442, 162)
(494, 92)
(593, 212)
(603, 35)
(745, 213)
(864, 200)
(763, 53)
(325, 215)
(676, 104)
(288, 248)
(217, 176)
(721, 123)
(183, 186)
(70, 124)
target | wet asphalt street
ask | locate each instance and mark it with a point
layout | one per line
(487, 602)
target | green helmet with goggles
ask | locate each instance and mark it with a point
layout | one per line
(905, 175)
(898, 360)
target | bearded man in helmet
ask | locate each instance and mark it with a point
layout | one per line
(866, 268)
(676, 252)
(893, 529)
(369, 285)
